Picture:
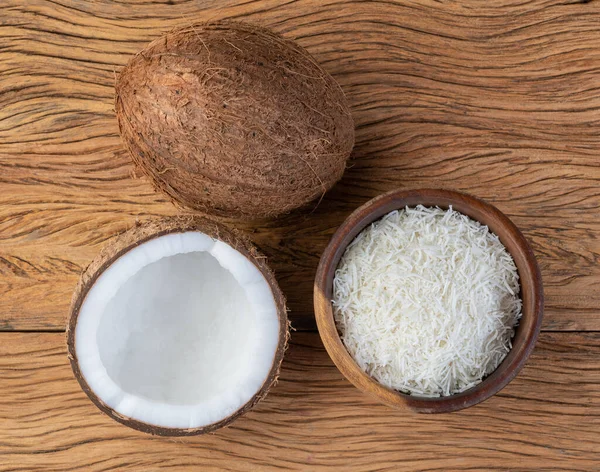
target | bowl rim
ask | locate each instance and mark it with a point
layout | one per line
(487, 214)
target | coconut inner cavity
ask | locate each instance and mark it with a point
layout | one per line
(179, 332)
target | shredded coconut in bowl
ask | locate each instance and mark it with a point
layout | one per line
(426, 301)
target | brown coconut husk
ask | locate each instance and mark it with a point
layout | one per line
(234, 120)
(145, 232)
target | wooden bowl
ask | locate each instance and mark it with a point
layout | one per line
(531, 294)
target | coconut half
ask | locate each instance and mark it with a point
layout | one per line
(177, 328)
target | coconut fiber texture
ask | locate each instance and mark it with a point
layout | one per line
(234, 120)
(145, 232)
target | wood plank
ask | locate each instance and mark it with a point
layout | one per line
(546, 419)
(501, 101)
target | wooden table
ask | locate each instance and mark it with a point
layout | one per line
(502, 101)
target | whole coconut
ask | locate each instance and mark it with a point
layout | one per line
(234, 120)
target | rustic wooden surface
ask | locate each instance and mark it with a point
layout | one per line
(549, 418)
(500, 99)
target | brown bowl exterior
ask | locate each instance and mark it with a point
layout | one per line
(531, 293)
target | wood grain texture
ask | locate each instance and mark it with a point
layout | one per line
(547, 419)
(501, 101)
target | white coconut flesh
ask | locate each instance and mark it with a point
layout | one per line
(179, 332)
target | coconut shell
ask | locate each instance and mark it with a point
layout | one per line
(234, 120)
(145, 232)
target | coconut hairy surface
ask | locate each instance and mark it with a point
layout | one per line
(178, 327)
(234, 120)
